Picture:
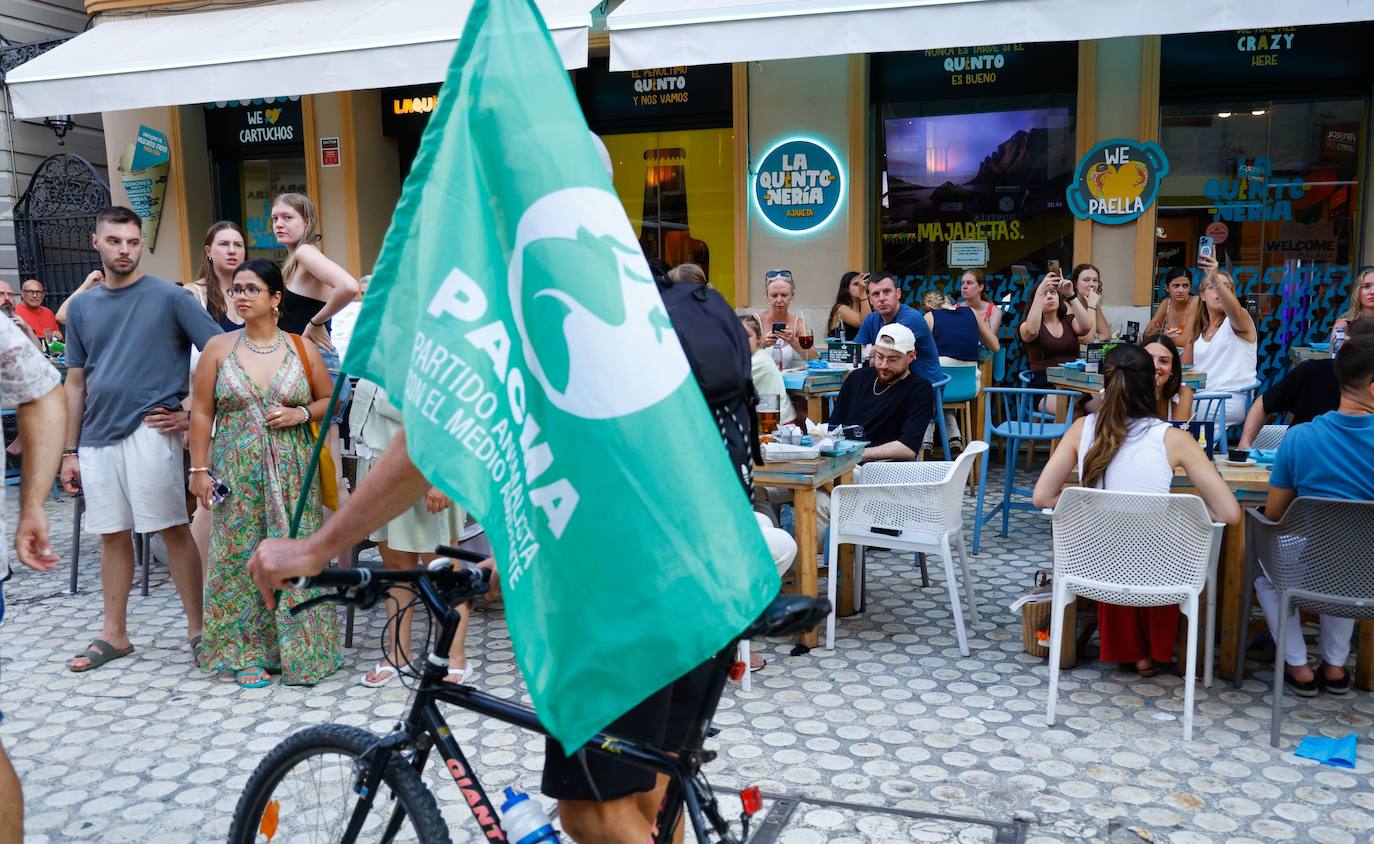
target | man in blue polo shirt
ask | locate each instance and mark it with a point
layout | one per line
(1330, 457)
(886, 298)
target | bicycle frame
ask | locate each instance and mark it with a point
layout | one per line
(426, 727)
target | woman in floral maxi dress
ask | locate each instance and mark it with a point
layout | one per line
(252, 385)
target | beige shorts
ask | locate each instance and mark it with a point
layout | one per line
(135, 484)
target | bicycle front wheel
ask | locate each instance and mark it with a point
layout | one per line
(303, 792)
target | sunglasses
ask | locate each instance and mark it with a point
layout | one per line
(778, 275)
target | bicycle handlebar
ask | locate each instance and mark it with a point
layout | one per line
(443, 572)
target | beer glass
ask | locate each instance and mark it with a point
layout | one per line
(770, 412)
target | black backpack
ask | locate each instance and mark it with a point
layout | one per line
(717, 349)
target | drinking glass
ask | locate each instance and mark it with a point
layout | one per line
(770, 412)
(806, 340)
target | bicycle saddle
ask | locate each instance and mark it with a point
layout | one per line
(788, 614)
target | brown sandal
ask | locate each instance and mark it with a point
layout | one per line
(97, 653)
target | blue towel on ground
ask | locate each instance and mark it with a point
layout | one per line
(1339, 752)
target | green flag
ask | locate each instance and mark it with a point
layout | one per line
(513, 318)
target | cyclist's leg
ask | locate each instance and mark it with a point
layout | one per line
(687, 695)
(605, 808)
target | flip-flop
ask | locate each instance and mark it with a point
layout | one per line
(384, 671)
(98, 652)
(458, 676)
(195, 648)
(242, 674)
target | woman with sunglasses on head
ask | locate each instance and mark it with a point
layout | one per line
(780, 324)
(1127, 447)
(850, 308)
(258, 389)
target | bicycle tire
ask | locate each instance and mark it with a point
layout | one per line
(350, 742)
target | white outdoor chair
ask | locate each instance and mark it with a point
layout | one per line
(1270, 436)
(924, 504)
(1134, 549)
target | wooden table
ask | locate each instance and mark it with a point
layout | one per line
(820, 384)
(1298, 354)
(804, 478)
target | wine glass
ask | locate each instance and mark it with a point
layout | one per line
(806, 340)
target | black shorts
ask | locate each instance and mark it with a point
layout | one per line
(662, 720)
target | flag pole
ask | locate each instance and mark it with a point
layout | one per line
(314, 463)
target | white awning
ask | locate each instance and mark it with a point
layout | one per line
(251, 52)
(665, 33)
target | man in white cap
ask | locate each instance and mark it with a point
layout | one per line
(892, 404)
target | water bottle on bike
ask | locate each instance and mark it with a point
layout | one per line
(524, 821)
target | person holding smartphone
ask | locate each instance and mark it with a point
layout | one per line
(784, 327)
(1055, 320)
(258, 389)
(1225, 342)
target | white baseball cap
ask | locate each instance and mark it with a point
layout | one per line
(897, 337)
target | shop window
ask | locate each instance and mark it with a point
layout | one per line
(260, 181)
(1276, 185)
(997, 177)
(678, 189)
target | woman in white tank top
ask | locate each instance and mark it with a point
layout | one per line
(1129, 448)
(1225, 342)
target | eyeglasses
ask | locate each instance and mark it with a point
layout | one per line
(244, 291)
(33, 292)
(4, 295)
(778, 275)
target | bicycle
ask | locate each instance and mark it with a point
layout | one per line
(274, 804)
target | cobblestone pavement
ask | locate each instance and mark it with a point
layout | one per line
(890, 729)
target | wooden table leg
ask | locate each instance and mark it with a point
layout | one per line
(844, 591)
(1364, 664)
(804, 529)
(1230, 614)
(813, 408)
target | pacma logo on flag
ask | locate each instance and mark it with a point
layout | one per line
(570, 364)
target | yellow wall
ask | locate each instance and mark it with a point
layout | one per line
(379, 177)
(708, 168)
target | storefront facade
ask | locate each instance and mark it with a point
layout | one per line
(904, 161)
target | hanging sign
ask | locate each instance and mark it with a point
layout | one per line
(143, 170)
(799, 186)
(1117, 180)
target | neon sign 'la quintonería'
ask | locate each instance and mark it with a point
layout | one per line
(1258, 196)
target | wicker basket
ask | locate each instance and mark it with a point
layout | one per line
(1034, 616)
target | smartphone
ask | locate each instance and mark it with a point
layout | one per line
(1206, 247)
(779, 326)
(1054, 266)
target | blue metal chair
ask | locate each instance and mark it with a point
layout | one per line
(939, 386)
(1211, 407)
(1021, 423)
(958, 387)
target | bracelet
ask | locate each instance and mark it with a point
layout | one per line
(309, 417)
(67, 451)
(317, 324)
(194, 469)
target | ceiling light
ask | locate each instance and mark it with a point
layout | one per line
(1223, 114)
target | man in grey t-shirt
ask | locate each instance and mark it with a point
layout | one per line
(128, 354)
